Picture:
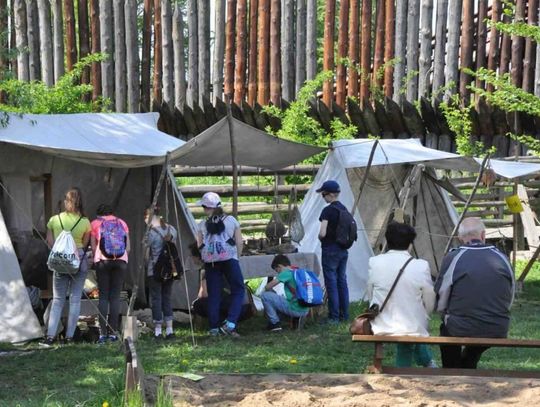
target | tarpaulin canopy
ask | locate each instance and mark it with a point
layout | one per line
(253, 148)
(102, 139)
(355, 154)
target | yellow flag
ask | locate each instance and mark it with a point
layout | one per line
(514, 204)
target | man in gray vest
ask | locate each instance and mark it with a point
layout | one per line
(475, 290)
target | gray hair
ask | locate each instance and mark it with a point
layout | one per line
(471, 228)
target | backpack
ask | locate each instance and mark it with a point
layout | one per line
(218, 246)
(64, 256)
(346, 229)
(308, 292)
(112, 238)
(168, 265)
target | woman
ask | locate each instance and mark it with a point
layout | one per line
(160, 291)
(408, 308)
(72, 219)
(220, 241)
(110, 245)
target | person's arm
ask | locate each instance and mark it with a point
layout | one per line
(50, 238)
(203, 292)
(93, 243)
(322, 230)
(271, 284)
(445, 280)
(428, 293)
(238, 240)
(86, 239)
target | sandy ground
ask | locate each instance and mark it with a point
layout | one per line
(317, 390)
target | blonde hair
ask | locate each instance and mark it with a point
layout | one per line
(73, 201)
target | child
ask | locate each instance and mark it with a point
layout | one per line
(273, 303)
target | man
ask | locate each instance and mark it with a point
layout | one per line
(475, 290)
(334, 257)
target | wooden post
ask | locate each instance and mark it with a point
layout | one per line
(378, 357)
(157, 83)
(390, 28)
(120, 82)
(233, 158)
(506, 50)
(413, 27)
(287, 50)
(230, 28)
(106, 32)
(494, 48)
(4, 42)
(401, 48)
(84, 37)
(440, 47)
(71, 42)
(365, 52)
(32, 23)
(425, 48)
(354, 49)
(530, 49)
(45, 43)
(167, 52)
(252, 63)
(96, 48)
(378, 59)
(300, 71)
(451, 71)
(179, 60)
(481, 37)
(132, 49)
(241, 65)
(203, 29)
(467, 44)
(219, 49)
(311, 38)
(193, 60)
(328, 50)
(517, 47)
(21, 36)
(146, 54)
(275, 53)
(341, 70)
(263, 94)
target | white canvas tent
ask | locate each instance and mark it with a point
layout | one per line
(432, 211)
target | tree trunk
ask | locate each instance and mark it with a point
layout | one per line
(168, 53)
(481, 38)
(45, 42)
(506, 50)
(530, 49)
(252, 66)
(32, 23)
(120, 68)
(365, 53)
(4, 43)
(146, 53)
(354, 49)
(440, 48)
(132, 57)
(467, 44)
(300, 71)
(203, 28)
(21, 35)
(193, 49)
(413, 28)
(537, 72)
(311, 39)
(84, 37)
(390, 14)
(425, 48)
(263, 94)
(287, 50)
(452, 55)
(96, 48)
(378, 57)
(106, 32)
(328, 49)
(179, 60)
(71, 41)
(12, 38)
(240, 68)
(275, 53)
(341, 70)
(517, 46)
(219, 49)
(158, 59)
(401, 48)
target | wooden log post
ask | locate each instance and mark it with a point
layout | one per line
(32, 23)
(328, 49)
(263, 71)
(311, 38)
(506, 49)
(95, 69)
(481, 38)
(365, 50)
(45, 43)
(252, 62)
(400, 49)
(132, 57)
(21, 37)
(120, 73)
(518, 47)
(203, 30)
(494, 47)
(275, 53)
(193, 61)
(530, 49)
(451, 70)
(167, 52)
(106, 32)
(4, 41)
(230, 28)
(413, 27)
(467, 45)
(71, 40)
(378, 58)
(390, 28)
(354, 48)
(241, 43)
(180, 86)
(219, 49)
(341, 69)
(84, 37)
(440, 48)
(287, 50)
(300, 63)
(146, 51)
(425, 48)
(157, 83)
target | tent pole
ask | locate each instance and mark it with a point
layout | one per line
(364, 178)
(233, 157)
(468, 203)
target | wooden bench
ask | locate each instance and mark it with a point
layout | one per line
(380, 340)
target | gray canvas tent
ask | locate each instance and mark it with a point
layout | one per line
(428, 205)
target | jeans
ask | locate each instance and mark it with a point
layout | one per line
(62, 284)
(160, 294)
(110, 278)
(274, 303)
(230, 269)
(334, 264)
(454, 356)
(405, 353)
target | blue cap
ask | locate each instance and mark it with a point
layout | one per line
(329, 186)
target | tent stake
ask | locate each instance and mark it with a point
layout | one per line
(468, 203)
(233, 157)
(364, 178)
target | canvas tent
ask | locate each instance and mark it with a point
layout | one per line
(429, 206)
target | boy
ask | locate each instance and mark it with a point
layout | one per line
(273, 303)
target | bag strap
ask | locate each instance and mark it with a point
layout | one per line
(76, 223)
(395, 283)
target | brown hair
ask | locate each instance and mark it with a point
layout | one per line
(73, 201)
(280, 260)
(148, 211)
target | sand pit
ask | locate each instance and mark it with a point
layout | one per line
(317, 390)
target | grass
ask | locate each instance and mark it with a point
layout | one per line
(87, 375)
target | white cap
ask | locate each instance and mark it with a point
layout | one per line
(210, 200)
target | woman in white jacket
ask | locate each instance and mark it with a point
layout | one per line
(413, 299)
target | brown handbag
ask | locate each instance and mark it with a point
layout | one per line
(361, 325)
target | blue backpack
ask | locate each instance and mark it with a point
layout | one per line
(309, 292)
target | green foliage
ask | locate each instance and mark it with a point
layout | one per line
(66, 96)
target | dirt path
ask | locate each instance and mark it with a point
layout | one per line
(318, 390)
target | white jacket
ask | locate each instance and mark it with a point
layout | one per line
(407, 311)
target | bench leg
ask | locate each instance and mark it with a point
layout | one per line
(377, 359)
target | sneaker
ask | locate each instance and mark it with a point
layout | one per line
(158, 337)
(47, 341)
(214, 332)
(169, 336)
(102, 340)
(113, 338)
(225, 330)
(68, 341)
(274, 327)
